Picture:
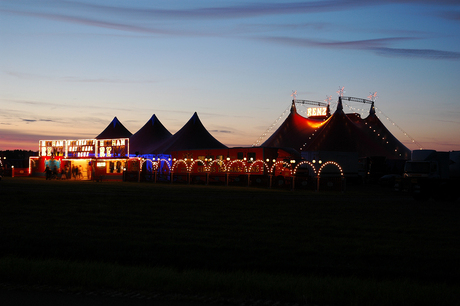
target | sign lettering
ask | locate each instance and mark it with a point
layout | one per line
(85, 148)
(316, 111)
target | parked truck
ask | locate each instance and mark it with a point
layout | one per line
(433, 174)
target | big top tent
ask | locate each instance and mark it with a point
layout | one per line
(339, 133)
(293, 131)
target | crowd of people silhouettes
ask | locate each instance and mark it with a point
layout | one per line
(73, 172)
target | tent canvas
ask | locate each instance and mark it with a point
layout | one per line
(114, 130)
(193, 135)
(151, 135)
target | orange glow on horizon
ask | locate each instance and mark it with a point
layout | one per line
(11, 145)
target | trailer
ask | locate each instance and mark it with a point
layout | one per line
(433, 174)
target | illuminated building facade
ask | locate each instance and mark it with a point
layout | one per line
(84, 159)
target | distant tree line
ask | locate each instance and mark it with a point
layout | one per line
(16, 158)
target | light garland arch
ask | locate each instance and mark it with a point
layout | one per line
(218, 162)
(168, 163)
(305, 162)
(280, 162)
(195, 162)
(177, 162)
(236, 161)
(330, 163)
(264, 164)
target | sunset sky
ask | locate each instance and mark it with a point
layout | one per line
(67, 68)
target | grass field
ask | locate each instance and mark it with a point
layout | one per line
(366, 246)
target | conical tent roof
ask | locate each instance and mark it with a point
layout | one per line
(339, 133)
(114, 130)
(294, 131)
(151, 135)
(193, 135)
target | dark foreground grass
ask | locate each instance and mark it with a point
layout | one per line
(238, 285)
(366, 246)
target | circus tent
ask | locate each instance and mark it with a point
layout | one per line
(293, 131)
(114, 130)
(339, 133)
(193, 135)
(150, 136)
(386, 143)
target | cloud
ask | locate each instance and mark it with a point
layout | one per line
(122, 18)
(129, 18)
(55, 105)
(103, 80)
(12, 139)
(213, 12)
(38, 103)
(324, 27)
(243, 10)
(74, 79)
(377, 46)
(449, 121)
(418, 53)
(451, 15)
(351, 44)
(101, 23)
(37, 120)
(220, 131)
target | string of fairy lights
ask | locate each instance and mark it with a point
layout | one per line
(363, 111)
(397, 126)
(262, 137)
(359, 110)
(247, 165)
